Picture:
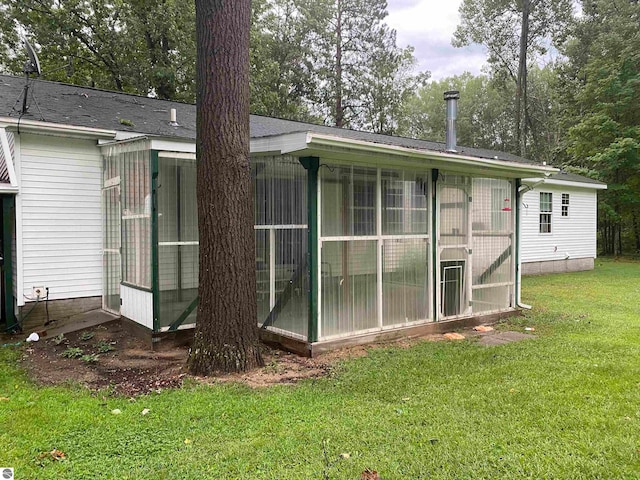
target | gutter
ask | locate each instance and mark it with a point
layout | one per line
(20, 125)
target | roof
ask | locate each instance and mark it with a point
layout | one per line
(572, 177)
(65, 104)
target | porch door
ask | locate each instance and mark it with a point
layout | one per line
(111, 264)
(454, 246)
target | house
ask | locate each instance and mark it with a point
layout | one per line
(559, 223)
(358, 236)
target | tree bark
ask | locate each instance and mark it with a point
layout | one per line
(521, 87)
(226, 337)
(339, 101)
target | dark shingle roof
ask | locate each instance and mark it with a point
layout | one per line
(89, 107)
(572, 177)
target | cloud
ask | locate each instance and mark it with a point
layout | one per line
(428, 25)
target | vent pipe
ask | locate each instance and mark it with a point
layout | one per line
(173, 117)
(451, 97)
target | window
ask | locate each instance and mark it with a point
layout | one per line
(546, 202)
(348, 201)
(565, 205)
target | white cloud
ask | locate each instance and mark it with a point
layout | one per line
(428, 25)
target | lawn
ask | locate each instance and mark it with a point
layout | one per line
(563, 406)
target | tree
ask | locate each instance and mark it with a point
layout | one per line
(281, 82)
(600, 83)
(138, 46)
(354, 62)
(387, 84)
(515, 33)
(226, 336)
(484, 119)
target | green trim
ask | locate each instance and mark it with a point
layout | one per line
(517, 244)
(7, 222)
(155, 274)
(312, 164)
(136, 287)
(183, 316)
(435, 173)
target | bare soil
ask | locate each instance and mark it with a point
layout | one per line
(131, 368)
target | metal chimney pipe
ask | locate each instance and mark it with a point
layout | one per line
(173, 117)
(451, 97)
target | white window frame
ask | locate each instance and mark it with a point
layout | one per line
(547, 213)
(565, 206)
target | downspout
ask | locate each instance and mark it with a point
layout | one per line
(434, 242)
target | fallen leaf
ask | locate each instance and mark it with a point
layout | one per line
(4, 399)
(369, 474)
(187, 441)
(145, 411)
(483, 328)
(453, 336)
(345, 455)
(57, 454)
(116, 411)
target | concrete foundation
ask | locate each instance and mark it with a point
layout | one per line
(166, 340)
(558, 266)
(32, 316)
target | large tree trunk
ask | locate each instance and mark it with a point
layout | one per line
(521, 87)
(226, 337)
(338, 72)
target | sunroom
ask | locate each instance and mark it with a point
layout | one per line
(355, 239)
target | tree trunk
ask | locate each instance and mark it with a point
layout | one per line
(521, 87)
(636, 231)
(339, 106)
(226, 337)
(620, 238)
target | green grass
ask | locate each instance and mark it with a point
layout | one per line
(564, 406)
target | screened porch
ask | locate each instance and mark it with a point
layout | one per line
(342, 250)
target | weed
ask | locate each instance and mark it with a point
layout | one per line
(86, 336)
(72, 352)
(90, 358)
(104, 347)
(58, 339)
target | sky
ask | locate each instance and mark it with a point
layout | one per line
(428, 26)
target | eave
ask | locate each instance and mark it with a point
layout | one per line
(349, 151)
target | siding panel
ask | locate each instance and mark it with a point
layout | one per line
(61, 183)
(573, 236)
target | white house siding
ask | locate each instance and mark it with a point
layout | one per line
(571, 237)
(60, 201)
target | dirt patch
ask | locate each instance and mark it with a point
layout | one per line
(105, 356)
(108, 356)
